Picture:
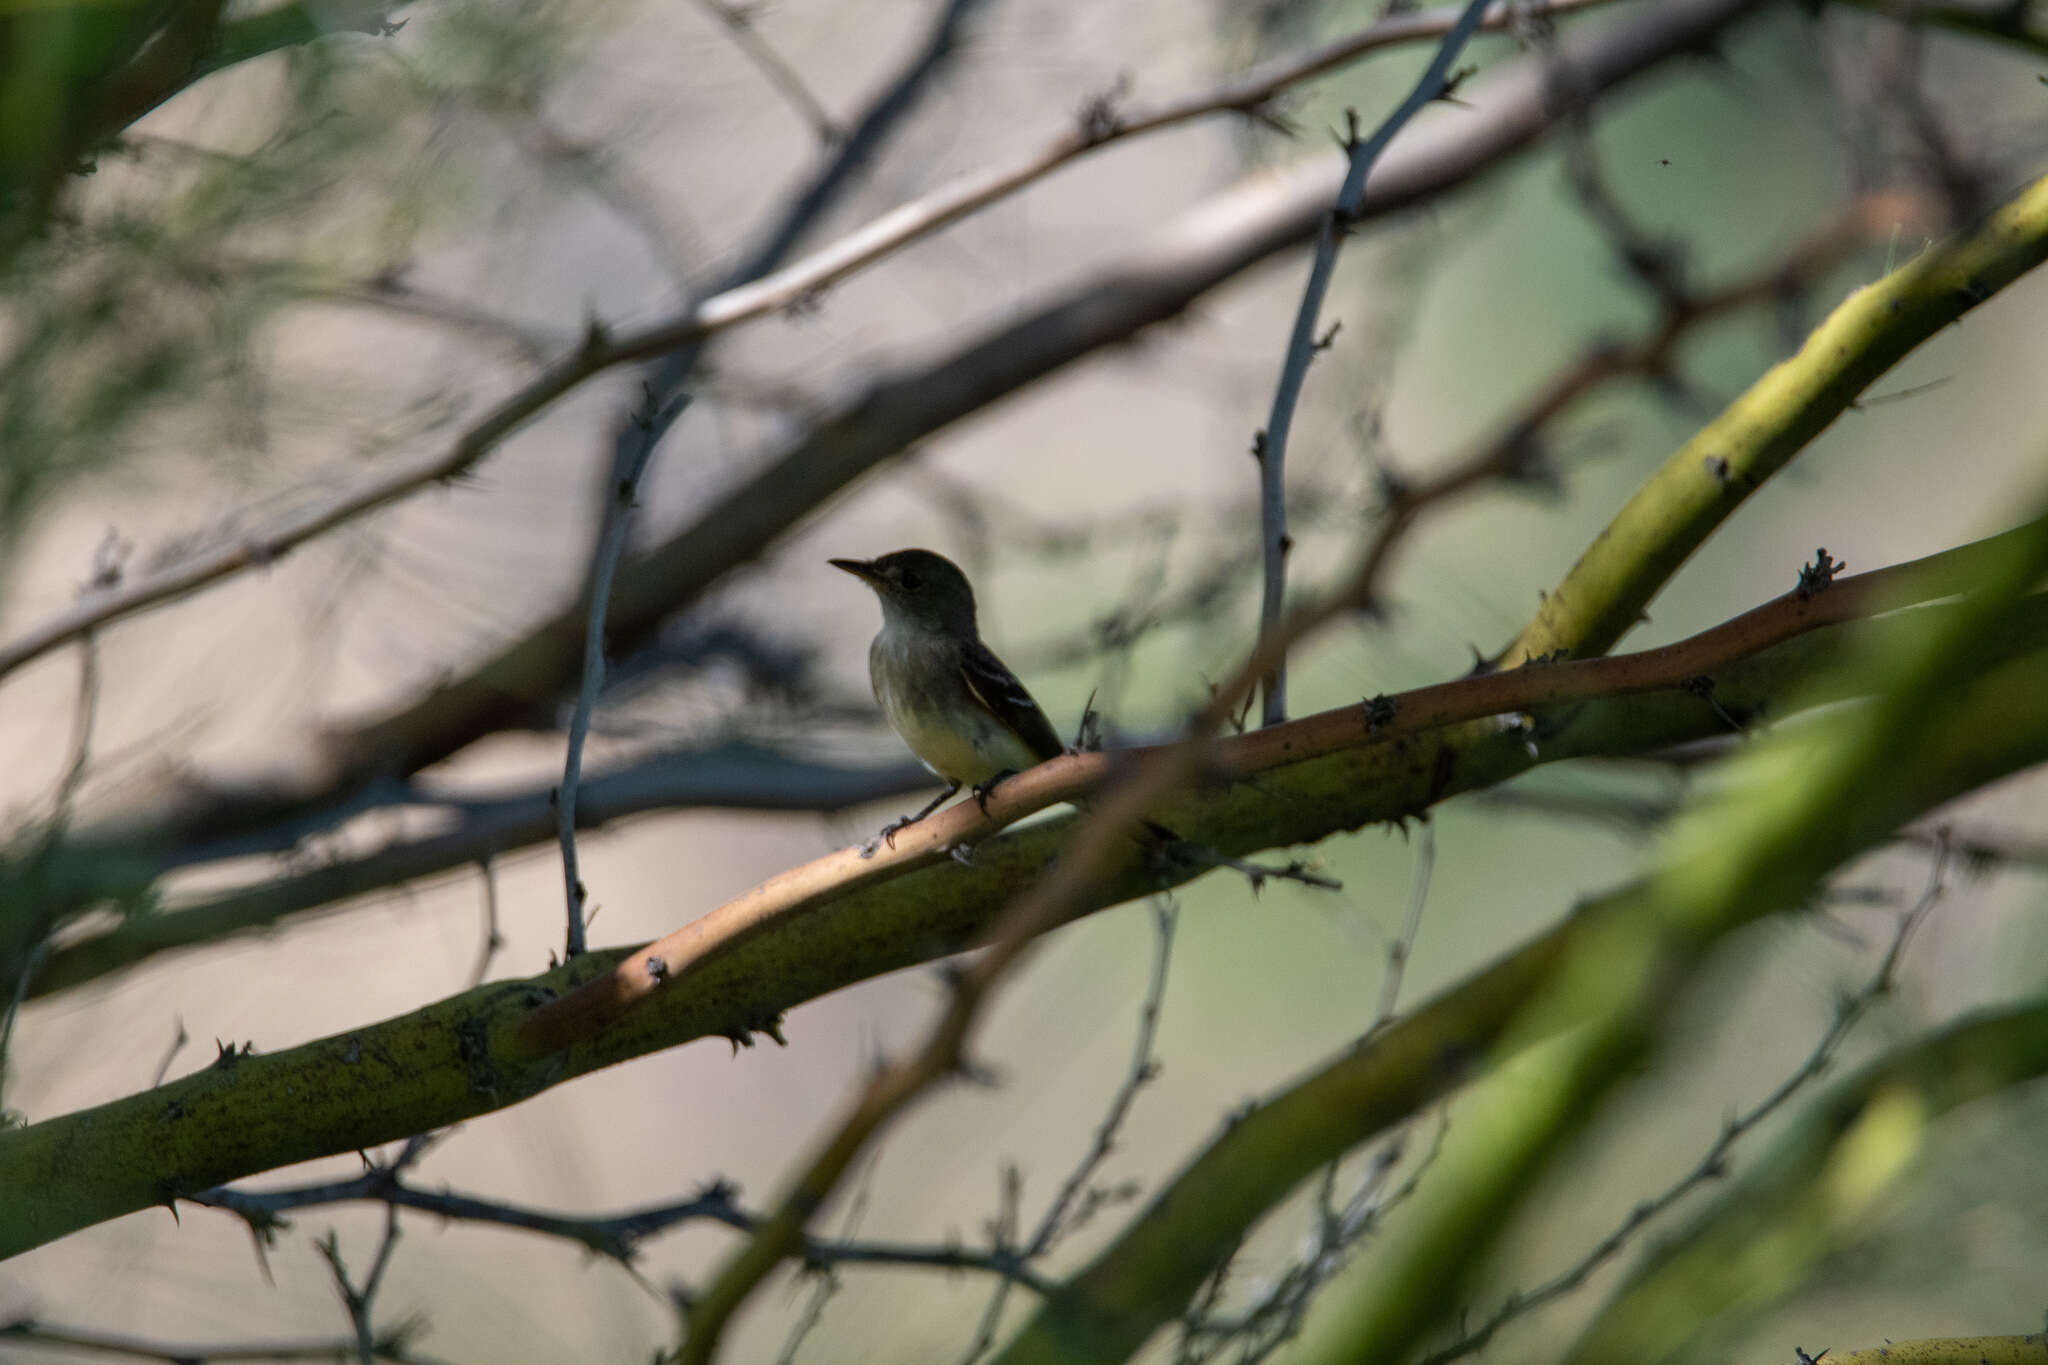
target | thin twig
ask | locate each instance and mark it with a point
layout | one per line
(1714, 1164)
(1303, 344)
(487, 871)
(622, 497)
(1063, 1215)
(177, 1045)
(393, 1346)
(86, 720)
(616, 1237)
(827, 1280)
(746, 36)
(1276, 1314)
(360, 1302)
(1400, 948)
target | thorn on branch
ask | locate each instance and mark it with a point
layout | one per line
(109, 562)
(1395, 490)
(1259, 445)
(1327, 339)
(1350, 138)
(1453, 83)
(1088, 734)
(1817, 577)
(1526, 459)
(982, 1074)
(1099, 118)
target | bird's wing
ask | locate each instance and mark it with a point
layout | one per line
(997, 688)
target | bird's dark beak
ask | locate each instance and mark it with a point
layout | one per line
(863, 569)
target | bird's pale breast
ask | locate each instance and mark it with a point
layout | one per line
(941, 721)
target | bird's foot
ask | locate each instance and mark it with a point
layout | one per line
(887, 835)
(982, 790)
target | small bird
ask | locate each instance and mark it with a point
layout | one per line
(961, 711)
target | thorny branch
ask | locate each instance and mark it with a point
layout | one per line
(617, 1237)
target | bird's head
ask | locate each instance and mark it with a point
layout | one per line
(918, 587)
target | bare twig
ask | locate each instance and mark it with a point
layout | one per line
(1246, 94)
(360, 1302)
(1275, 1316)
(487, 872)
(622, 495)
(86, 718)
(1400, 948)
(391, 293)
(827, 1281)
(1270, 446)
(616, 1237)
(1068, 1208)
(1714, 1164)
(393, 1346)
(177, 1044)
(746, 36)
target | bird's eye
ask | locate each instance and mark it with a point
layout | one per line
(910, 582)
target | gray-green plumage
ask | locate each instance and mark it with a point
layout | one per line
(945, 692)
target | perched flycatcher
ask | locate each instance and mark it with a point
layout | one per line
(958, 708)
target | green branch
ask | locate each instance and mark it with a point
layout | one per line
(1712, 474)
